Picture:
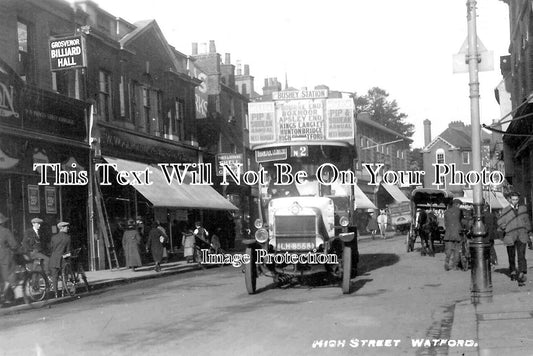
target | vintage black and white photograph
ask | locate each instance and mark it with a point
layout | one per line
(266, 177)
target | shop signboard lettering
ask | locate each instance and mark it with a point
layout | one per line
(67, 53)
(229, 159)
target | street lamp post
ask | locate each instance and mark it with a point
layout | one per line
(481, 285)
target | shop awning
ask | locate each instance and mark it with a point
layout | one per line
(175, 195)
(496, 200)
(361, 200)
(395, 192)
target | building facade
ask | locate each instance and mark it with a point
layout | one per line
(517, 71)
(39, 125)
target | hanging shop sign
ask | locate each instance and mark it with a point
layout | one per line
(67, 53)
(229, 159)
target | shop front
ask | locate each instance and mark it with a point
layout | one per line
(149, 197)
(43, 158)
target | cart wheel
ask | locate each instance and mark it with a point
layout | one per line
(346, 268)
(250, 271)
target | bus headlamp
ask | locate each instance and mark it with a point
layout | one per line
(261, 236)
(343, 221)
(258, 223)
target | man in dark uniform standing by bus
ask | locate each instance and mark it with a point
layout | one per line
(452, 237)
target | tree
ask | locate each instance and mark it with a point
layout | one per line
(384, 111)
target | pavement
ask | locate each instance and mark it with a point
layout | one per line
(501, 327)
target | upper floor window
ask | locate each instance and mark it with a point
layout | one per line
(244, 89)
(439, 155)
(105, 109)
(24, 50)
(466, 157)
(179, 117)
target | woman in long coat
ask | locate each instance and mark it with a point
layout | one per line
(130, 242)
(156, 239)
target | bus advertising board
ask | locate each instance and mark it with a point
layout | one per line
(301, 120)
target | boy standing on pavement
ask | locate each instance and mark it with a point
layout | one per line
(60, 246)
(515, 223)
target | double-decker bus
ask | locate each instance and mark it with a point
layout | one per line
(304, 143)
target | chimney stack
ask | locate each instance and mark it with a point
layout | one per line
(238, 68)
(227, 59)
(195, 48)
(427, 132)
(246, 69)
(212, 48)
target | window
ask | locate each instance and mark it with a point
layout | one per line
(439, 155)
(122, 97)
(24, 49)
(243, 90)
(146, 109)
(466, 157)
(104, 95)
(179, 116)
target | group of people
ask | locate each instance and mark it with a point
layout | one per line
(377, 223)
(156, 244)
(513, 224)
(37, 247)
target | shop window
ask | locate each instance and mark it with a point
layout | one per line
(105, 109)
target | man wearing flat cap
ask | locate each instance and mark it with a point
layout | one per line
(35, 243)
(60, 246)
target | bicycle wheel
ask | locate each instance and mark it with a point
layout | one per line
(68, 280)
(35, 287)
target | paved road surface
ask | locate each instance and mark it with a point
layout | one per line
(397, 296)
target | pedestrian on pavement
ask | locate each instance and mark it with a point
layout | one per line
(8, 244)
(35, 244)
(382, 223)
(60, 246)
(188, 245)
(491, 226)
(156, 240)
(201, 233)
(372, 225)
(515, 223)
(452, 236)
(130, 242)
(215, 240)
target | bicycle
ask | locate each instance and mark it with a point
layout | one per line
(71, 271)
(34, 283)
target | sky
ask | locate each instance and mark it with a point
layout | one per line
(404, 47)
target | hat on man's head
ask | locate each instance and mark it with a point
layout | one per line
(36, 221)
(62, 224)
(457, 201)
(3, 218)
